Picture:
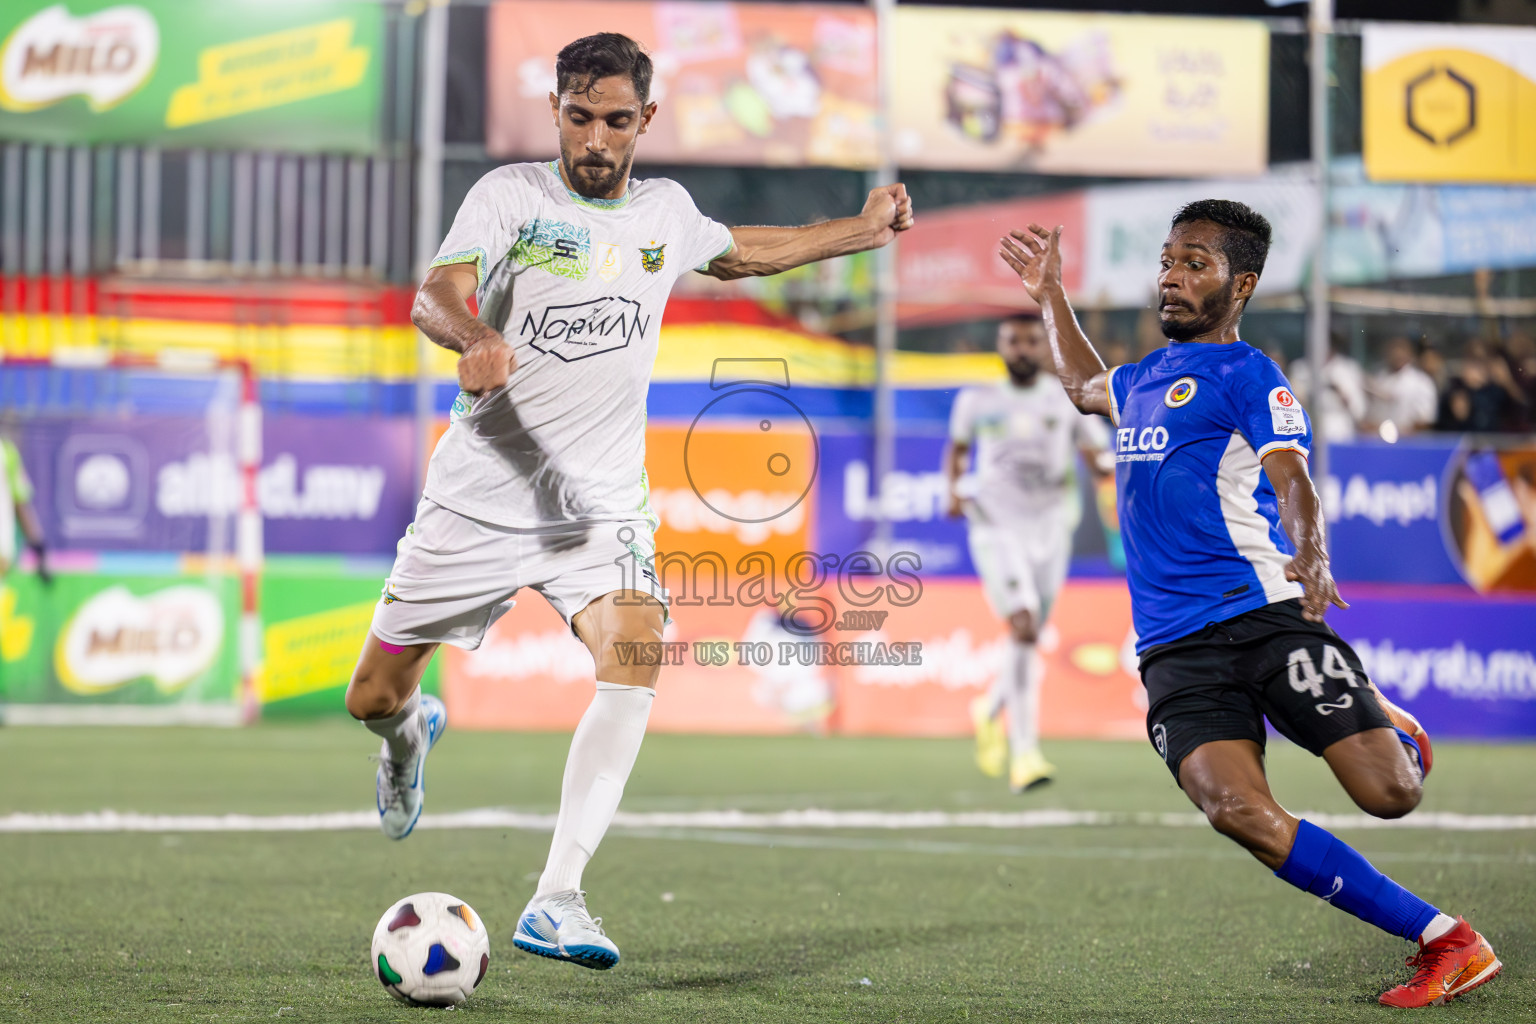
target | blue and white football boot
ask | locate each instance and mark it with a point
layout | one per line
(558, 926)
(401, 785)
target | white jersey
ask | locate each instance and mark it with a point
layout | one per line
(577, 286)
(1026, 441)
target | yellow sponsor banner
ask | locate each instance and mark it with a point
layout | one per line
(328, 352)
(269, 71)
(1449, 103)
(313, 652)
(1080, 93)
(283, 351)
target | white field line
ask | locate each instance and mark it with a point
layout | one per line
(1141, 852)
(812, 818)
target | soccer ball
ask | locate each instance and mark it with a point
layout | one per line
(430, 949)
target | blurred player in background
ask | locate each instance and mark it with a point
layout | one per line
(1021, 508)
(540, 480)
(1228, 570)
(16, 510)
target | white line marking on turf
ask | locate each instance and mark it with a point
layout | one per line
(884, 845)
(812, 818)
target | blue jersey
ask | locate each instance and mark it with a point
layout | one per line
(1201, 526)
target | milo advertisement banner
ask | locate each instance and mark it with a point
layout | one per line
(92, 638)
(300, 75)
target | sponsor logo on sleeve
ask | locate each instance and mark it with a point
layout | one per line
(1285, 413)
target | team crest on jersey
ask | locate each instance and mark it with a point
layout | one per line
(1181, 393)
(653, 259)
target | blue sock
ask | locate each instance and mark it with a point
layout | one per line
(1413, 751)
(1331, 870)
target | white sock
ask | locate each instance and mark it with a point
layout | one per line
(1023, 700)
(602, 753)
(401, 731)
(1002, 683)
(1436, 928)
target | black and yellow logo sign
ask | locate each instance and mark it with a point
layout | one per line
(1449, 114)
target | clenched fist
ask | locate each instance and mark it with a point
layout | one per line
(486, 365)
(887, 211)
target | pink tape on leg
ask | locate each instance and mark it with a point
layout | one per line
(391, 648)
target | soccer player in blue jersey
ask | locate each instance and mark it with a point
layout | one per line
(1228, 568)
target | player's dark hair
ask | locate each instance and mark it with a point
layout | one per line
(1022, 317)
(1245, 234)
(582, 63)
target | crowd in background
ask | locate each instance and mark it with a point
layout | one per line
(1484, 385)
(1380, 380)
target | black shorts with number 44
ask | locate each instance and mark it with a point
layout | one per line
(1222, 682)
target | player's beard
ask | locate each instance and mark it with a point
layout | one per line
(601, 187)
(1022, 371)
(1211, 314)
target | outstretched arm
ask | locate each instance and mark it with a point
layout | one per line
(441, 311)
(762, 251)
(1301, 513)
(1035, 255)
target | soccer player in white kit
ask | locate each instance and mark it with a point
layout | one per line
(540, 479)
(1021, 508)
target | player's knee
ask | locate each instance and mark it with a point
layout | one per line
(634, 659)
(1235, 814)
(370, 696)
(1022, 626)
(1390, 798)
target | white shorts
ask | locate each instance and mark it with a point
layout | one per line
(1021, 570)
(454, 576)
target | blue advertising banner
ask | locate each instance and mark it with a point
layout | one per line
(1466, 667)
(1435, 510)
(1383, 505)
(339, 485)
(913, 496)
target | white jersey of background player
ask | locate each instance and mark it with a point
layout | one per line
(540, 480)
(1021, 507)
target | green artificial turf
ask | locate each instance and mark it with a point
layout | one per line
(1102, 923)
